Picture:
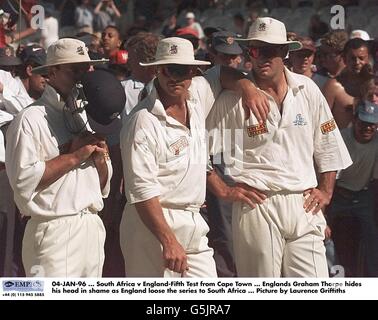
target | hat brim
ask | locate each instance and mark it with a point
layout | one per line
(227, 49)
(368, 118)
(293, 45)
(43, 69)
(174, 61)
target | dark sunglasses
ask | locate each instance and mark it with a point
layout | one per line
(177, 70)
(303, 53)
(266, 51)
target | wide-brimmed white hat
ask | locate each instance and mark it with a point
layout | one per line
(270, 31)
(175, 51)
(66, 51)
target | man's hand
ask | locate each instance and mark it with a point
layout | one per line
(175, 257)
(316, 200)
(102, 153)
(254, 100)
(85, 144)
(244, 193)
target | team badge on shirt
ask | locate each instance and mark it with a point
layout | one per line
(257, 129)
(179, 145)
(328, 126)
(299, 120)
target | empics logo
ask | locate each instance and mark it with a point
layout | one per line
(23, 285)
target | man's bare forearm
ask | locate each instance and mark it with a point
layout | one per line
(151, 213)
(327, 182)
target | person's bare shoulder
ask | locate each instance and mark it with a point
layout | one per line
(331, 90)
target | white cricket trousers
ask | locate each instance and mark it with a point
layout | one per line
(68, 246)
(143, 253)
(279, 239)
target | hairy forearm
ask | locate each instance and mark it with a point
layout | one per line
(327, 182)
(102, 170)
(57, 168)
(216, 185)
(151, 213)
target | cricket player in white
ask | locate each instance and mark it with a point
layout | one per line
(282, 233)
(163, 147)
(59, 176)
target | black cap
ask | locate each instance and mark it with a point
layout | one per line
(105, 95)
(209, 31)
(33, 53)
(224, 42)
(6, 60)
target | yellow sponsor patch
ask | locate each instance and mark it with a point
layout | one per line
(328, 126)
(179, 145)
(257, 129)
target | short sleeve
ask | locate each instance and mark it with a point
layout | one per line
(330, 151)
(22, 159)
(139, 158)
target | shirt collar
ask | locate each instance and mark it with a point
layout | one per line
(156, 107)
(52, 98)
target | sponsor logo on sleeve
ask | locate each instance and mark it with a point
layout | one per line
(328, 126)
(257, 129)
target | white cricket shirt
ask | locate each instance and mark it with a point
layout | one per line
(280, 154)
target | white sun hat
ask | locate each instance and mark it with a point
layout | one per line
(360, 34)
(270, 31)
(175, 50)
(66, 51)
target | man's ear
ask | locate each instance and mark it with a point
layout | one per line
(29, 70)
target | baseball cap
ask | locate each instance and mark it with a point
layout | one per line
(224, 42)
(359, 34)
(175, 50)
(105, 96)
(367, 111)
(33, 53)
(190, 15)
(307, 44)
(271, 31)
(209, 31)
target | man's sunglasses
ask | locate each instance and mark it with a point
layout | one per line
(267, 51)
(178, 70)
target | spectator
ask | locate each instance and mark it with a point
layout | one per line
(353, 200)
(111, 40)
(170, 28)
(84, 17)
(301, 60)
(106, 13)
(191, 23)
(341, 91)
(50, 30)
